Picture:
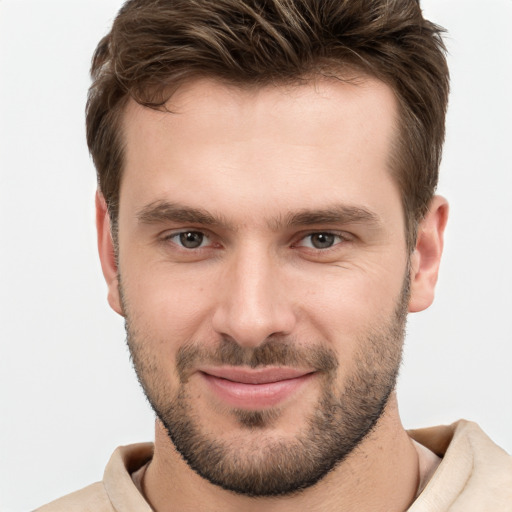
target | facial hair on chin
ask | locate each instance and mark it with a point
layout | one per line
(263, 465)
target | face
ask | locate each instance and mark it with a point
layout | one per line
(264, 274)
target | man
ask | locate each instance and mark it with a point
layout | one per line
(266, 219)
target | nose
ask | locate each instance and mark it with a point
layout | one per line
(253, 303)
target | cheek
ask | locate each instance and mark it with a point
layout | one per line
(170, 305)
(349, 305)
(173, 304)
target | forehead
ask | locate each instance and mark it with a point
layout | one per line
(309, 110)
(261, 145)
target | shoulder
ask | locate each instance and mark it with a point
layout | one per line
(117, 492)
(474, 475)
(92, 498)
(462, 437)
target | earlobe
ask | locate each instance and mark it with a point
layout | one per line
(107, 254)
(426, 257)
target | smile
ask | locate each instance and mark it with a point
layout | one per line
(254, 389)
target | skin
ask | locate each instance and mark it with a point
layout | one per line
(252, 159)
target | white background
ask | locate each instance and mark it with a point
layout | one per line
(67, 393)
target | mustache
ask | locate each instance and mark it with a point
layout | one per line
(272, 352)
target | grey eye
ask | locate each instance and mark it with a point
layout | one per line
(322, 240)
(191, 239)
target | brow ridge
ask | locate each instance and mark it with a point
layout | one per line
(165, 211)
(338, 214)
(161, 211)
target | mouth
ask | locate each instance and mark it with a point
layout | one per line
(250, 389)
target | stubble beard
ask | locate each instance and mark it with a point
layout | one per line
(258, 463)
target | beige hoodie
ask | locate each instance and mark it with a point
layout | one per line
(475, 475)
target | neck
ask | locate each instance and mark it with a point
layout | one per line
(381, 474)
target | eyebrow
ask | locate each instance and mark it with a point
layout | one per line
(338, 214)
(164, 211)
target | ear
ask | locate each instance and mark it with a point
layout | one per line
(426, 257)
(107, 255)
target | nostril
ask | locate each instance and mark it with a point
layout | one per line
(252, 329)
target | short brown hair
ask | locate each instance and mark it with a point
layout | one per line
(157, 45)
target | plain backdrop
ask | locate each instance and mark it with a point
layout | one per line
(68, 395)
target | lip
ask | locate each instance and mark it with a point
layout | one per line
(258, 388)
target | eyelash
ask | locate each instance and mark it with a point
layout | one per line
(171, 236)
(337, 238)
